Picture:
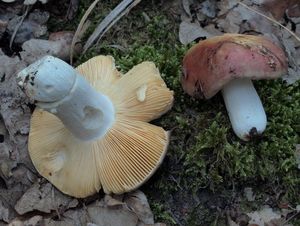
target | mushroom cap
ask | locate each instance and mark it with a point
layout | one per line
(125, 157)
(212, 63)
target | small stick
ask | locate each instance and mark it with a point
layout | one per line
(18, 25)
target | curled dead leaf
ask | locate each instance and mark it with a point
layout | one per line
(44, 198)
(188, 32)
(138, 203)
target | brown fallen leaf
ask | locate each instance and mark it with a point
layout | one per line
(112, 217)
(58, 45)
(15, 114)
(33, 221)
(32, 26)
(113, 201)
(277, 7)
(4, 212)
(9, 198)
(138, 203)
(44, 198)
(76, 217)
(112, 210)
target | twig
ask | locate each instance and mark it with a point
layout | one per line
(55, 204)
(272, 20)
(121, 9)
(175, 218)
(291, 217)
(28, 7)
(79, 28)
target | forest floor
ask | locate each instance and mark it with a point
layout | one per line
(209, 176)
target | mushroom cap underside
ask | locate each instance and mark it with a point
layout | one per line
(212, 63)
(122, 159)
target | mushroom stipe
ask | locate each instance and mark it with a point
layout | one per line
(228, 63)
(126, 151)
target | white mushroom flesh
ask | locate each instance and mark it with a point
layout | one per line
(244, 107)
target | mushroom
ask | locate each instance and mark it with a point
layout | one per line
(228, 63)
(91, 132)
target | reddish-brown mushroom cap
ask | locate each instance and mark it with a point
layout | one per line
(212, 63)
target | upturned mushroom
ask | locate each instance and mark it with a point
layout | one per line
(90, 128)
(229, 63)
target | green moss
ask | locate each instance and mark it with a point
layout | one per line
(217, 157)
(160, 214)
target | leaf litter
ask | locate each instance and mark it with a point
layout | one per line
(25, 198)
(28, 200)
(247, 17)
(131, 209)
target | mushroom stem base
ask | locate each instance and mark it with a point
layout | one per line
(244, 108)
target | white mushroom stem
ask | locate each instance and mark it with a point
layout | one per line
(244, 108)
(56, 87)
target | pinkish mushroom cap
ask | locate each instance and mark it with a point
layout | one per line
(212, 63)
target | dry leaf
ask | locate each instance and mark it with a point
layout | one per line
(4, 212)
(186, 7)
(112, 217)
(92, 224)
(78, 217)
(11, 197)
(188, 32)
(44, 198)
(278, 7)
(32, 27)
(15, 114)
(248, 192)
(113, 201)
(31, 2)
(58, 45)
(134, 210)
(263, 217)
(297, 155)
(208, 8)
(138, 203)
(225, 5)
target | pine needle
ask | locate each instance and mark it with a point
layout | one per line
(117, 13)
(79, 28)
